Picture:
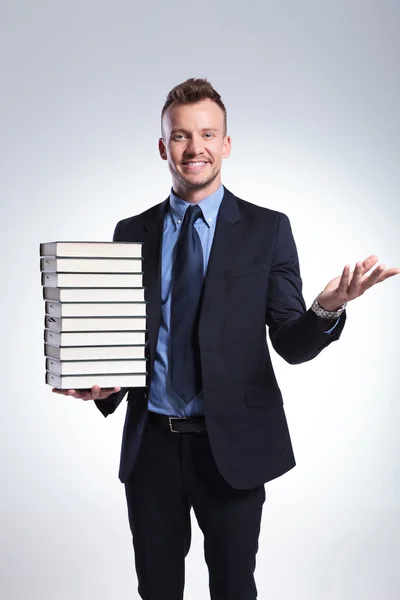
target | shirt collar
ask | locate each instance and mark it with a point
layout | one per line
(209, 206)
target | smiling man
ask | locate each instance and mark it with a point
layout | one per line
(210, 429)
(194, 143)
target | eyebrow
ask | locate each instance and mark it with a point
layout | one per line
(183, 130)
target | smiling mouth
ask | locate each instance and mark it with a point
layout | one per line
(193, 165)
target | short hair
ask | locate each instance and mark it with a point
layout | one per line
(191, 91)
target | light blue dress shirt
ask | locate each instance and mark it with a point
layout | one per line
(162, 398)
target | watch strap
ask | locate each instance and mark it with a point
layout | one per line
(327, 314)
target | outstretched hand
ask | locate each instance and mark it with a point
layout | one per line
(352, 284)
(95, 393)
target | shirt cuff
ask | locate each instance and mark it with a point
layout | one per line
(328, 331)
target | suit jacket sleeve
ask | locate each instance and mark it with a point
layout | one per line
(297, 334)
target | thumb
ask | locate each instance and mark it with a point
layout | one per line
(95, 391)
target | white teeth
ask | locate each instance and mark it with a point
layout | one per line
(195, 164)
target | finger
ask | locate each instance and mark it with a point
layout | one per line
(109, 391)
(376, 273)
(344, 282)
(95, 391)
(63, 392)
(85, 394)
(369, 262)
(355, 283)
(106, 392)
(73, 393)
(372, 279)
(82, 394)
(388, 273)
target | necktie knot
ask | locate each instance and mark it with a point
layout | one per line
(193, 213)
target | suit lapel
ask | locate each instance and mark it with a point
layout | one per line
(222, 256)
(152, 245)
(226, 239)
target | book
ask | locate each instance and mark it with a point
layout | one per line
(92, 280)
(79, 382)
(93, 367)
(95, 309)
(95, 338)
(92, 249)
(95, 323)
(91, 265)
(94, 352)
(93, 294)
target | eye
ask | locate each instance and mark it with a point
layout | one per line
(209, 135)
(178, 136)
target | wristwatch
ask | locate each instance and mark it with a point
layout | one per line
(327, 314)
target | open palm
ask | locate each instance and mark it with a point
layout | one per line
(352, 284)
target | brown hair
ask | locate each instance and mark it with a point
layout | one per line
(191, 91)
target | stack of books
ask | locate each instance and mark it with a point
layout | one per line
(95, 321)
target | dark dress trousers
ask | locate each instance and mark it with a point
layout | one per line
(252, 280)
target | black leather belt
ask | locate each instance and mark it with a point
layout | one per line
(179, 424)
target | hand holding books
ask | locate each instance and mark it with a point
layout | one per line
(95, 393)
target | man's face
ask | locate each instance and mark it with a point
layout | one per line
(194, 145)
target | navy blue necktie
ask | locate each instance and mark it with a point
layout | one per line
(185, 304)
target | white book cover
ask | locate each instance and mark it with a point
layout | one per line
(78, 382)
(92, 280)
(95, 309)
(94, 367)
(59, 294)
(92, 249)
(95, 323)
(95, 338)
(94, 352)
(91, 265)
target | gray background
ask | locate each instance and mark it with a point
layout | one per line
(312, 92)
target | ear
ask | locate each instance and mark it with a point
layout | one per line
(162, 149)
(227, 147)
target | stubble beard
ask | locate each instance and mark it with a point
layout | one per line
(196, 185)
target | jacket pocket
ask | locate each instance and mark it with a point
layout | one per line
(244, 271)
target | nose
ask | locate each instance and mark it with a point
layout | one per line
(195, 145)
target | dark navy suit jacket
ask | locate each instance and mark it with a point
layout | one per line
(252, 280)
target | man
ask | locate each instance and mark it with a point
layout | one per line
(210, 429)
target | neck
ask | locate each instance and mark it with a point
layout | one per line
(194, 196)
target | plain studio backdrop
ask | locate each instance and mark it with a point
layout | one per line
(312, 90)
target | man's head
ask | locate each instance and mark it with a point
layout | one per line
(194, 140)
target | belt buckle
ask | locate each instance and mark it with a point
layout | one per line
(170, 419)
